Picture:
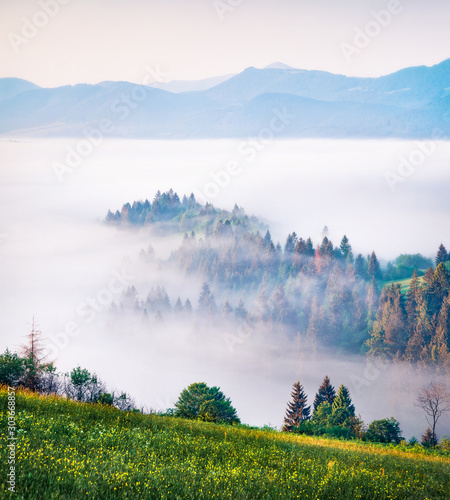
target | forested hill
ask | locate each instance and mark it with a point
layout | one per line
(321, 293)
(168, 213)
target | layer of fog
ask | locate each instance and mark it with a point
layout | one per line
(55, 255)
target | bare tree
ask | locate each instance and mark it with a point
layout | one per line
(434, 399)
(33, 348)
(33, 355)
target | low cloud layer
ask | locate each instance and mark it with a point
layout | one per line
(57, 255)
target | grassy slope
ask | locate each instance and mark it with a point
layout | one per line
(72, 450)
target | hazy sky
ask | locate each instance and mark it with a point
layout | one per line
(95, 40)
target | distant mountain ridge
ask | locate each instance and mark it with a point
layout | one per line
(410, 103)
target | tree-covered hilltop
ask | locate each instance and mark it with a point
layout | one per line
(320, 292)
(169, 213)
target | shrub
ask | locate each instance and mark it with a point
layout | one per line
(209, 404)
(386, 430)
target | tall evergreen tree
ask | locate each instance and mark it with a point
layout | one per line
(178, 307)
(316, 323)
(325, 394)
(342, 408)
(290, 243)
(360, 264)
(372, 299)
(438, 289)
(346, 249)
(412, 299)
(206, 300)
(416, 348)
(442, 255)
(440, 342)
(392, 318)
(297, 409)
(373, 268)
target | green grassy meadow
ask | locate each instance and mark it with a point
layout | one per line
(74, 450)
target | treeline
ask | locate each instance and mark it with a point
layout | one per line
(172, 214)
(28, 369)
(333, 414)
(415, 326)
(322, 292)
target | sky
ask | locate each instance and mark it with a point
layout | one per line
(60, 42)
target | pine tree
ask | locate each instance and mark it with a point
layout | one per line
(188, 306)
(345, 250)
(438, 289)
(392, 318)
(440, 342)
(442, 255)
(373, 268)
(428, 276)
(342, 408)
(178, 307)
(290, 243)
(240, 311)
(297, 410)
(316, 323)
(416, 348)
(372, 299)
(267, 239)
(360, 264)
(413, 297)
(325, 394)
(227, 310)
(429, 439)
(205, 299)
(309, 247)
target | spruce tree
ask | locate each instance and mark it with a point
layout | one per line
(325, 394)
(372, 299)
(392, 318)
(429, 439)
(346, 249)
(412, 299)
(438, 289)
(360, 264)
(342, 409)
(416, 348)
(442, 255)
(440, 352)
(316, 323)
(178, 307)
(373, 268)
(205, 300)
(297, 410)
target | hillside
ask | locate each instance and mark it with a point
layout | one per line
(320, 292)
(73, 450)
(407, 104)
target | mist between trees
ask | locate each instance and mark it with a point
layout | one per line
(317, 294)
(215, 298)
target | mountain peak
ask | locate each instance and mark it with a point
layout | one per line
(278, 65)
